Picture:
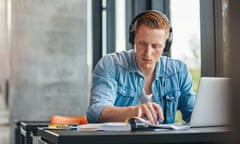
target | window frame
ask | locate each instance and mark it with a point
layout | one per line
(212, 51)
(97, 32)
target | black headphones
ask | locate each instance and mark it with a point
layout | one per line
(131, 30)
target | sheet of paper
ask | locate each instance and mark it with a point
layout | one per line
(114, 126)
(107, 126)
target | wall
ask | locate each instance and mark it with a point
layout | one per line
(3, 50)
(48, 69)
(3, 41)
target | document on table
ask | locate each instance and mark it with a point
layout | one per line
(140, 123)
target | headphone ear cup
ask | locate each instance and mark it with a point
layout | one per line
(168, 41)
(131, 37)
(167, 46)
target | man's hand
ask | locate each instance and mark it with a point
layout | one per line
(151, 111)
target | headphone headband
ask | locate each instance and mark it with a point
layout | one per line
(132, 29)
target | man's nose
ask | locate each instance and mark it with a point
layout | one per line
(148, 50)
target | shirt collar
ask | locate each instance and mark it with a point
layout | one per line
(160, 66)
(133, 66)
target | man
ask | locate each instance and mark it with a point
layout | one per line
(141, 82)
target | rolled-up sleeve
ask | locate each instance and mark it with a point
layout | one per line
(104, 88)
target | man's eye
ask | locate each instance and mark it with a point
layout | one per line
(157, 46)
(142, 43)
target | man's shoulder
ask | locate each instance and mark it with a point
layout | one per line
(173, 65)
(172, 61)
(122, 58)
(120, 55)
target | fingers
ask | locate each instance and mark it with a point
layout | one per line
(159, 111)
(151, 111)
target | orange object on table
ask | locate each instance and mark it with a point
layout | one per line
(58, 119)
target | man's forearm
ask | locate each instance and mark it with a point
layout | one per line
(117, 114)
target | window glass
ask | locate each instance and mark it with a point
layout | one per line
(104, 27)
(120, 25)
(185, 20)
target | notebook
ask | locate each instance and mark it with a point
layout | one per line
(212, 103)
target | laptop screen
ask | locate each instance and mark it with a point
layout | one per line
(212, 103)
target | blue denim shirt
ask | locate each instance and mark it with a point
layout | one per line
(117, 81)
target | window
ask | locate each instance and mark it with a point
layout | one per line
(103, 28)
(196, 28)
(120, 25)
(185, 20)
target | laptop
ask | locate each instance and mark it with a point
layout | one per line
(212, 103)
(211, 107)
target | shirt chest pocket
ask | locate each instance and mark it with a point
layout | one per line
(126, 97)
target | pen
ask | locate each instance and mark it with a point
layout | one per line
(158, 119)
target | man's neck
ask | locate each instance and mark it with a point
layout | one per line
(148, 72)
(148, 79)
